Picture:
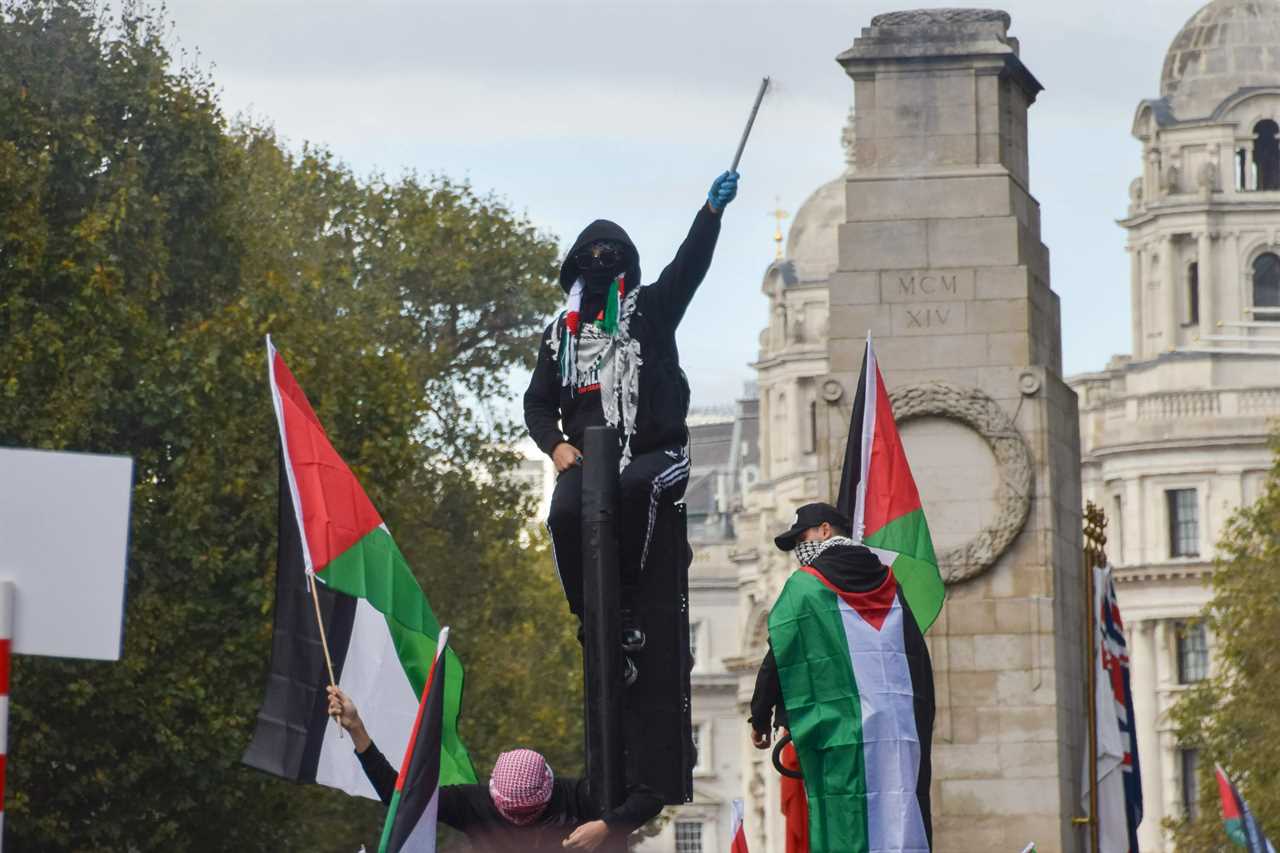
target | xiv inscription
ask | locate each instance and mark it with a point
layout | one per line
(929, 318)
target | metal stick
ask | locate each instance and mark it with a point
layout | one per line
(746, 131)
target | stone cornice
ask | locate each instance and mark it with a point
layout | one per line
(1197, 570)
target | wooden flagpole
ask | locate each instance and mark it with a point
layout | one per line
(324, 642)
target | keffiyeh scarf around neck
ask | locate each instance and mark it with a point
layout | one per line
(807, 552)
(602, 354)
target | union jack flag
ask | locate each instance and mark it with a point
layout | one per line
(1113, 664)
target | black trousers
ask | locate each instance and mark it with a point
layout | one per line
(650, 478)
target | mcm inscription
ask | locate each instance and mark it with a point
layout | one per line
(932, 286)
(920, 286)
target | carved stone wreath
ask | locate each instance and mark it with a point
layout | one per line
(1013, 458)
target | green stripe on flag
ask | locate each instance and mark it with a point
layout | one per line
(916, 566)
(823, 710)
(375, 570)
(390, 820)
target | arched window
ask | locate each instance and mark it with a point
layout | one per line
(1193, 293)
(1266, 286)
(1266, 154)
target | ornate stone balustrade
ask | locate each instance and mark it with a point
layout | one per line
(1175, 405)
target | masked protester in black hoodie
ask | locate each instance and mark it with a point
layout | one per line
(610, 358)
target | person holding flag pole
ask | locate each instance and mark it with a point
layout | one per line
(524, 808)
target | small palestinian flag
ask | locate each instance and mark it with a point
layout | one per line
(1242, 827)
(859, 695)
(379, 626)
(795, 811)
(739, 835)
(880, 498)
(411, 817)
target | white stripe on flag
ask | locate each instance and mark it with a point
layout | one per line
(374, 679)
(890, 745)
(423, 837)
(871, 390)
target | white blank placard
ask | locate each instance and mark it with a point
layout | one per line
(64, 535)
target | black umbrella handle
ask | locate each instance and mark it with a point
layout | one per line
(777, 758)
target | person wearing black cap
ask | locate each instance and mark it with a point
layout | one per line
(866, 591)
(610, 358)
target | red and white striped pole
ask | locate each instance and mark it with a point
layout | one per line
(6, 634)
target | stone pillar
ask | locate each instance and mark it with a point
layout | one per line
(1231, 290)
(1145, 703)
(1208, 279)
(941, 258)
(1172, 290)
(1137, 284)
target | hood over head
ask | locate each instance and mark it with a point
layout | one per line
(601, 229)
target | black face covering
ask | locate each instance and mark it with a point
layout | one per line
(600, 263)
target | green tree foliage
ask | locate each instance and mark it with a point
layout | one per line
(1232, 717)
(146, 247)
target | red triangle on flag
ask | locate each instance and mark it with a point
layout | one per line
(891, 490)
(333, 510)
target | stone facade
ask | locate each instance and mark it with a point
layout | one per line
(1173, 436)
(938, 255)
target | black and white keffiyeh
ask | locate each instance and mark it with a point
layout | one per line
(807, 552)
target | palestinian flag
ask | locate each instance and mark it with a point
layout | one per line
(739, 844)
(880, 498)
(1242, 827)
(380, 628)
(411, 817)
(858, 687)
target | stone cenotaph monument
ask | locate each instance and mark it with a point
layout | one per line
(940, 259)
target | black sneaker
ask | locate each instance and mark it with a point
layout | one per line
(629, 671)
(633, 639)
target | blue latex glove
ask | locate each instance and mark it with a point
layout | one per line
(723, 190)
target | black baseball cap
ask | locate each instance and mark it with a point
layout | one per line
(811, 515)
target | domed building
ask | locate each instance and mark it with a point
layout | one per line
(1174, 435)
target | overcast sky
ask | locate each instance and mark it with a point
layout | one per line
(578, 110)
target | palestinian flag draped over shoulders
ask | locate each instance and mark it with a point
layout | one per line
(858, 690)
(379, 625)
(879, 495)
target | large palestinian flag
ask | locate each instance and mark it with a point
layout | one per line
(1242, 827)
(858, 687)
(410, 826)
(380, 628)
(879, 495)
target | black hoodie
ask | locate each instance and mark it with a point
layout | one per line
(554, 413)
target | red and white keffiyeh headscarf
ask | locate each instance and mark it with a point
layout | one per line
(520, 785)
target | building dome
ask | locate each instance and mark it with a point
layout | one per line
(813, 241)
(1226, 46)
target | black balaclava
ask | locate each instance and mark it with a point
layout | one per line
(609, 259)
(602, 231)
